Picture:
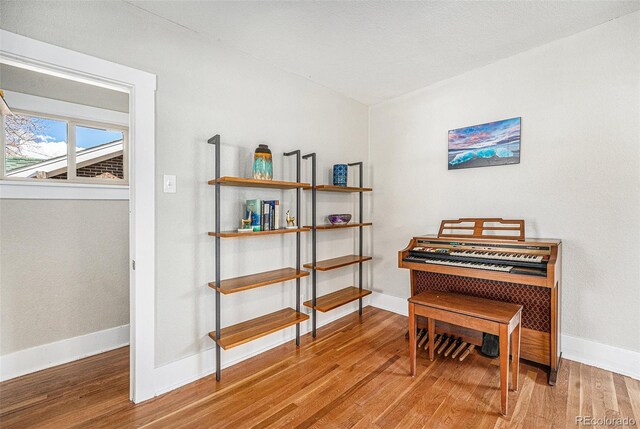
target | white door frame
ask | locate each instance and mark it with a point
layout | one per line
(42, 57)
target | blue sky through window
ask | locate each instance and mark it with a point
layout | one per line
(56, 131)
(33, 137)
(91, 137)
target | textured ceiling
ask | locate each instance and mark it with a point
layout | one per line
(372, 51)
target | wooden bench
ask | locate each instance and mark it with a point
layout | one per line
(494, 317)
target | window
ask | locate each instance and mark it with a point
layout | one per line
(52, 148)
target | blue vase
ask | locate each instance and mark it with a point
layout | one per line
(340, 174)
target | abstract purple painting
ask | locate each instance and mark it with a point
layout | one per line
(484, 145)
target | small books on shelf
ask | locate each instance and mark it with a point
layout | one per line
(265, 215)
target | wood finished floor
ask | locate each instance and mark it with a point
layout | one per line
(353, 375)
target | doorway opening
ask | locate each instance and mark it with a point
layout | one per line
(76, 211)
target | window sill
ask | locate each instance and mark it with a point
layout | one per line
(61, 191)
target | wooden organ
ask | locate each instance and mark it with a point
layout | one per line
(490, 258)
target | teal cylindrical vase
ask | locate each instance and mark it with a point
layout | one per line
(262, 163)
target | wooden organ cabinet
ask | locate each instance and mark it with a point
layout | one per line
(490, 258)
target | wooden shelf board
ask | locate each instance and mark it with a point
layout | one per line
(334, 188)
(342, 261)
(255, 183)
(233, 233)
(238, 284)
(243, 332)
(338, 298)
(349, 225)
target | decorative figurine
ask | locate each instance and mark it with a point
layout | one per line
(291, 221)
(246, 223)
(262, 163)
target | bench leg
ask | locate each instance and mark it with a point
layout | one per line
(412, 339)
(515, 352)
(431, 324)
(504, 368)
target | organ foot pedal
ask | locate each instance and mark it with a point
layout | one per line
(451, 346)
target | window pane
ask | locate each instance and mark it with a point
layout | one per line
(99, 153)
(35, 147)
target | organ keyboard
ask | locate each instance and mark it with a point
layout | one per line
(479, 265)
(494, 260)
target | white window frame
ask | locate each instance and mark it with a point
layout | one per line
(24, 52)
(72, 123)
(15, 188)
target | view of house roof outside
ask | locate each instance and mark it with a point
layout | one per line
(36, 147)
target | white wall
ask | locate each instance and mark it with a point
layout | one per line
(64, 270)
(204, 89)
(578, 180)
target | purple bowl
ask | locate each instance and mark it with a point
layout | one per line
(339, 219)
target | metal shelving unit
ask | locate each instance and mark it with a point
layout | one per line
(241, 333)
(349, 294)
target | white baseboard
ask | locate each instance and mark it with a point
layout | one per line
(390, 303)
(47, 355)
(615, 359)
(176, 374)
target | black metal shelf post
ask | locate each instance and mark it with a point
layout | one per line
(360, 196)
(297, 154)
(313, 241)
(215, 140)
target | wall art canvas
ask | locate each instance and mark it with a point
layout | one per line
(484, 145)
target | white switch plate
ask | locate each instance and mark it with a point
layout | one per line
(169, 184)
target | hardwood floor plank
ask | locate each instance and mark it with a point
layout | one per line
(355, 366)
(518, 413)
(280, 394)
(275, 417)
(633, 387)
(556, 400)
(431, 382)
(536, 417)
(367, 400)
(463, 382)
(192, 409)
(354, 374)
(586, 405)
(573, 400)
(482, 411)
(311, 420)
(624, 400)
(603, 397)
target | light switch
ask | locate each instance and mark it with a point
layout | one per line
(169, 184)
